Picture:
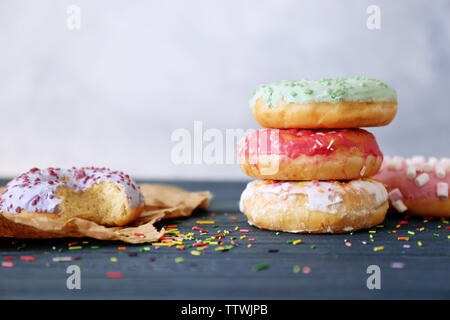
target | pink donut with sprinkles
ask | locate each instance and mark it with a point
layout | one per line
(300, 154)
(417, 186)
(101, 195)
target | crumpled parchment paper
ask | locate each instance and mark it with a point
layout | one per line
(161, 202)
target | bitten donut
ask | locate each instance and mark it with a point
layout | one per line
(314, 207)
(417, 186)
(326, 103)
(106, 197)
(294, 154)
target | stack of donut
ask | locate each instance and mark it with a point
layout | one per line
(312, 161)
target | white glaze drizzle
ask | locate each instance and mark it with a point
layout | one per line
(35, 190)
(322, 195)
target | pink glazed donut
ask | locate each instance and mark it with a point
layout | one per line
(417, 185)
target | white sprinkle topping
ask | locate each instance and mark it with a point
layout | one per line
(411, 171)
(399, 206)
(442, 190)
(418, 159)
(394, 164)
(427, 167)
(422, 179)
(440, 171)
(395, 194)
(319, 143)
(331, 143)
(433, 161)
(363, 170)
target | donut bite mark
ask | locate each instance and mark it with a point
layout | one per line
(100, 195)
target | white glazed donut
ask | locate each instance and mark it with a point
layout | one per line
(314, 206)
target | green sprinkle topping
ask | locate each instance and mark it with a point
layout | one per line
(260, 266)
(358, 89)
(179, 259)
(296, 269)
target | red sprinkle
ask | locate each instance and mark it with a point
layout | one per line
(7, 264)
(198, 229)
(114, 275)
(244, 230)
(27, 258)
(9, 258)
(403, 222)
(199, 244)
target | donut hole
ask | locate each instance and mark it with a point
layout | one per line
(103, 203)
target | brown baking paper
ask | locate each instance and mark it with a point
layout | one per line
(161, 202)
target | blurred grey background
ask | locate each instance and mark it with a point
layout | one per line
(111, 93)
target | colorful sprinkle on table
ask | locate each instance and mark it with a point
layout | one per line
(306, 270)
(205, 222)
(179, 259)
(397, 265)
(62, 259)
(114, 274)
(27, 258)
(7, 264)
(260, 267)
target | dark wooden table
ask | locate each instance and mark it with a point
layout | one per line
(329, 269)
